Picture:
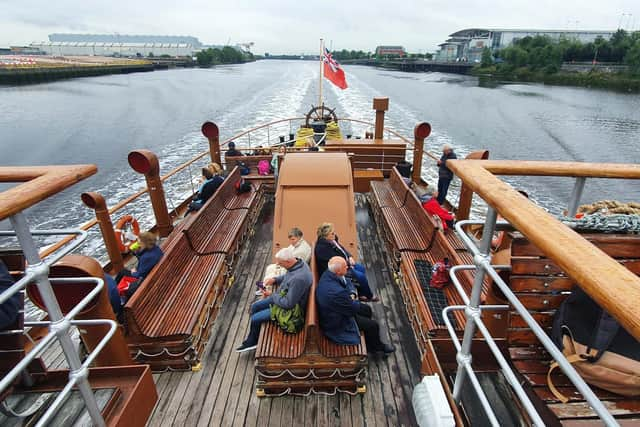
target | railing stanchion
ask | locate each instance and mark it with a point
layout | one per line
(59, 323)
(576, 195)
(472, 311)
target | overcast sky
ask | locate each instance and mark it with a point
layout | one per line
(294, 26)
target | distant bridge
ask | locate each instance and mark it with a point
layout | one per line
(415, 65)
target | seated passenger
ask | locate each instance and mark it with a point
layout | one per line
(148, 256)
(327, 246)
(232, 152)
(300, 248)
(342, 316)
(211, 181)
(261, 151)
(429, 200)
(293, 290)
(10, 308)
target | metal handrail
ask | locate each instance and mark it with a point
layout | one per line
(472, 309)
(59, 324)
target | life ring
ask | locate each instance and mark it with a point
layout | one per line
(124, 227)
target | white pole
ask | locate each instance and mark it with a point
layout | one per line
(321, 72)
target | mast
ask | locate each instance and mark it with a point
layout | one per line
(321, 72)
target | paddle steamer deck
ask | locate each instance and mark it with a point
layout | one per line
(223, 391)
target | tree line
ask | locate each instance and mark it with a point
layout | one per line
(226, 55)
(541, 53)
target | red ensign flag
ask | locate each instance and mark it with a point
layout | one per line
(332, 70)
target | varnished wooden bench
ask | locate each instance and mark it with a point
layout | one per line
(169, 318)
(221, 226)
(542, 286)
(412, 236)
(307, 361)
(252, 163)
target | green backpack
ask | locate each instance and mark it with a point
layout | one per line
(290, 320)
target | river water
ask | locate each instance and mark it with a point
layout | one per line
(100, 119)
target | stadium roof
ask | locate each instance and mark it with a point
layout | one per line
(469, 32)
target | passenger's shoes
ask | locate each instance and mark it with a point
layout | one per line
(246, 347)
(387, 349)
(372, 299)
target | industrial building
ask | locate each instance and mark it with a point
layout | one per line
(119, 45)
(467, 44)
(390, 51)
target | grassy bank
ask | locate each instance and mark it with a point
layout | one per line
(613, 81)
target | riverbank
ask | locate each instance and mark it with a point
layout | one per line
(613, 81)
(23, 76)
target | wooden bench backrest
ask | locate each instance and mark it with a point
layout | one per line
(375, 156)
(542, 286)
(314, 188)
(200, 224)
(250, 161)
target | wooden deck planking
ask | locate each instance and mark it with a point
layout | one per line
(223, 392)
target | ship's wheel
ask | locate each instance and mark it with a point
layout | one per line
(321, 113)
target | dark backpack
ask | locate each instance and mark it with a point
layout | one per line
(244, 169)
(242, 186)
(601, 351)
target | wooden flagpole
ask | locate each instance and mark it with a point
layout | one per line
(321, 72)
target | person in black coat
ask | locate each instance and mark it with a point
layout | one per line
(327, 246)
(10, 308)
(211, 183)
(444, 173)
(232, 152)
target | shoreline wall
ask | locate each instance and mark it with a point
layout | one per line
(26, 76)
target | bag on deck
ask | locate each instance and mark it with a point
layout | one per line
(242, 186)
(602, 352)
(124, 284)
(440, 274)
(291, 320)
(264, 167)
(244, 169)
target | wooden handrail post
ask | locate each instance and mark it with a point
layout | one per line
(146, 163)
(380, 105)
(212, 133)
(466, 194)
(420, 133)
(96, 202)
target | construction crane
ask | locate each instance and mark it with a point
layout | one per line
(247, 46)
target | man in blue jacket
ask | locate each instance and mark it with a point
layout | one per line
(293, 289)
(342, 316)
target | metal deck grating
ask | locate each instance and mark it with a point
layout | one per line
(436, 299)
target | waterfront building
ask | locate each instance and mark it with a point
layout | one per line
(467, 44)
(390, 51)
(119, 45)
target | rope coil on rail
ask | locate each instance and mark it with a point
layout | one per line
(616, 223)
